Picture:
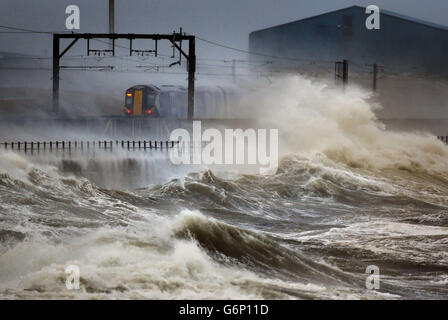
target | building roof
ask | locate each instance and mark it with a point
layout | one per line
(382, 12)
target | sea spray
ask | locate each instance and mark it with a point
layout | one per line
(316, 119)
(348, 194)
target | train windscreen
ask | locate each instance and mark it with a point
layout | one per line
(151, 98)
(128, 100)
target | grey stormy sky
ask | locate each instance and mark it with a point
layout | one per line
(228, 22)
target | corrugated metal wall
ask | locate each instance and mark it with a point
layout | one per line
(401, 45)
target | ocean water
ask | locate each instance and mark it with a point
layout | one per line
(347, 194)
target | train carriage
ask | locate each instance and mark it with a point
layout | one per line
(169, 101)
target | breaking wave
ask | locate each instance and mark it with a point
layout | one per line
(347, 194)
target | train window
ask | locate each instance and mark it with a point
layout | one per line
(157, 101)
(220, 105)
(200, 104)
(128, 101)
(225, 105)
(183, 103)
(172, 109)
(210, 107)
(151, 98)
(165, 104)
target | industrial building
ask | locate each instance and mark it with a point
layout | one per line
(411, 82)
(402, 44)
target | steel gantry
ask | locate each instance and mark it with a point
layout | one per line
(175, 38)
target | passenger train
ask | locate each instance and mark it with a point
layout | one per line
(169, 101)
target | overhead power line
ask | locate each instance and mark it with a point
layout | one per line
(257, 53)
(25, 30)
(18, 30)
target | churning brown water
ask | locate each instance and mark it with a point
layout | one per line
(347, 194)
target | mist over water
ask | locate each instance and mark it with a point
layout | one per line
(347, 193)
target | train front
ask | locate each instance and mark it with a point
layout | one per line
(141, 101)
